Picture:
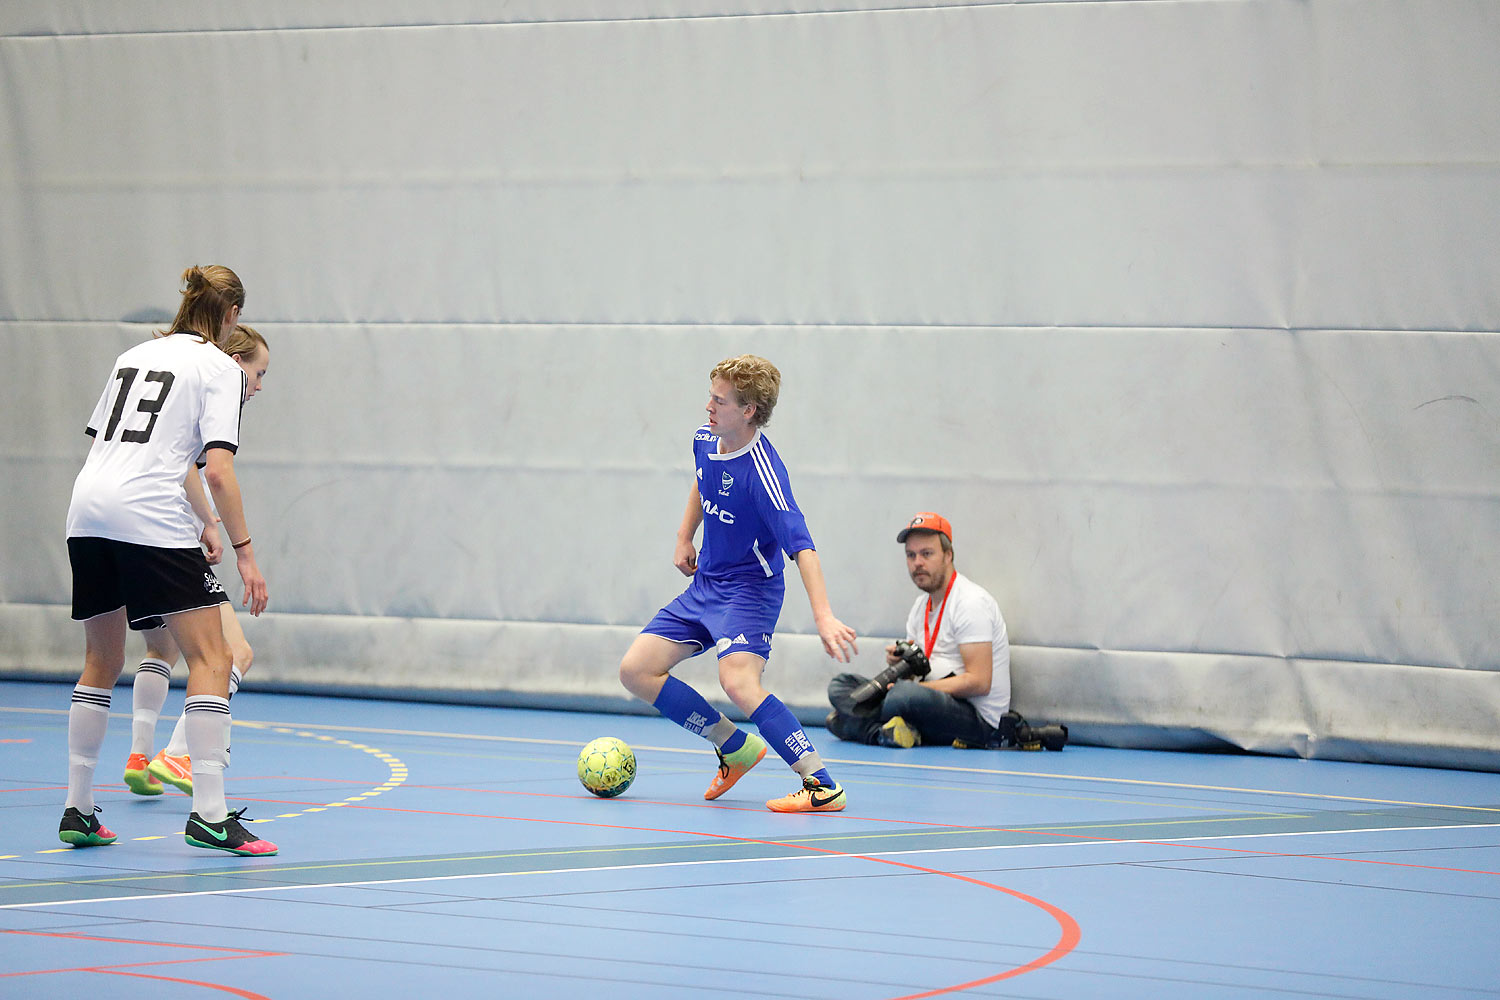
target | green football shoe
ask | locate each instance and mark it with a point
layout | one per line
(734, 766)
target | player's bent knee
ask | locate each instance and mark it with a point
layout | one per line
(740, 677)
(639, 677)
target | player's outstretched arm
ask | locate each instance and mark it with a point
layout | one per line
(834, 633)
(684, 555)
(225, 487)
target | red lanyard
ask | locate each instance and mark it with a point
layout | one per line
(929, 635)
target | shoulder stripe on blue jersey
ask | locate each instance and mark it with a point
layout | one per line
(768, 476)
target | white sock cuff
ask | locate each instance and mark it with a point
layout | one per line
(206, 703)
(91, 697)
(152, 665)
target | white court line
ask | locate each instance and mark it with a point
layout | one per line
(799, 856)
(899, 765)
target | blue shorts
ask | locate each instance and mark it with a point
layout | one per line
(732, 616)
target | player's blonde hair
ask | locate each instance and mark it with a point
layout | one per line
(245, 341)
(755, 380)
(208, 293)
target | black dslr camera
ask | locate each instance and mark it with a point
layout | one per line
(1015, 733)
(913, 664)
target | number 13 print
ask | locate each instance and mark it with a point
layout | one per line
(126, 377)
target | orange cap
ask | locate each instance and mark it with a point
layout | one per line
(927, 521)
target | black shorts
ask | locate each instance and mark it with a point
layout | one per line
(147, 582)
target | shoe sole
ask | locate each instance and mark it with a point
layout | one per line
(78, 839)
(229, 850)
(831, 808)
(837, 805)
(140, 783)
(733, 778)
(163, 772)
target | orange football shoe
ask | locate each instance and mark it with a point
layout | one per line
(138, 778)
(812, 797)
(736, 765)
(175, 771)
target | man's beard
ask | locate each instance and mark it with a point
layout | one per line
(932, 586)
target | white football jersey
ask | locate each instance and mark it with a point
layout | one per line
(166, 402)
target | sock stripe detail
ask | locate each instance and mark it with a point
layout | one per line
(91, 699)
(155, 667)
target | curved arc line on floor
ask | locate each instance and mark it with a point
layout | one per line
(121, 970)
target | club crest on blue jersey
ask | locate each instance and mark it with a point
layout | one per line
(750, 521)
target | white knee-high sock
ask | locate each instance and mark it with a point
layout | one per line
(148, 692)
(88, 717)
(206, 720)
(177, 744)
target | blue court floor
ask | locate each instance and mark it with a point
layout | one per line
(439, 850)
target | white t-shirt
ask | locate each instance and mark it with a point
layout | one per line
(971, 615)
(166, 402)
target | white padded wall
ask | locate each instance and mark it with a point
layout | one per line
(1183, 312)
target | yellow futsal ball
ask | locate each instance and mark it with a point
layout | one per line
(606, 767)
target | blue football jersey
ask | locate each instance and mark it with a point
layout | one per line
(749, 515)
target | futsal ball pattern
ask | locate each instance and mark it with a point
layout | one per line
(606, 767)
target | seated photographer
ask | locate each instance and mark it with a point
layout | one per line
(956, 628)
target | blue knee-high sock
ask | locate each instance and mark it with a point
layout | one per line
(685, 706)
(782, 730)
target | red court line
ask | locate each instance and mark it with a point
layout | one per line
(246, 952)
(1055, 834)
(1272, 854)
(235, 991)
(120, 969)
(1066, 942)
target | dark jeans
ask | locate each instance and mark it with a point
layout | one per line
(939, 717)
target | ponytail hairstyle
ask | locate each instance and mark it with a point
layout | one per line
(208, 293)
(245, 341)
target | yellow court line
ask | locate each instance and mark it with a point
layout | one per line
(1048, 830)
(398, 773)
(800, 856)
(377, 863)
(489, 738)
(1014, 793)
(1141, 782)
